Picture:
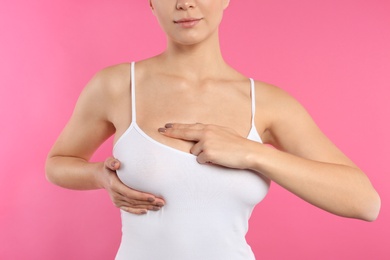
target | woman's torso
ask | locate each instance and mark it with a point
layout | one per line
(207, 206)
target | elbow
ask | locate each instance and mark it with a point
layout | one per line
(49, 171)
(374, 211)
(370, 211)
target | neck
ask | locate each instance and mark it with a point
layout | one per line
(196, 61)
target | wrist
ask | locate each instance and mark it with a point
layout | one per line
(256, 157)
(100, 175)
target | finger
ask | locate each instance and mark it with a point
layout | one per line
(159, 202)
(122, 200)
(132, 205)
(138, 197)
(202, 158)
(112, 163)
(197, 148)
(134, 211)
(188, 132)
(195, 126)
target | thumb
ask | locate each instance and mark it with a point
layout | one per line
(112, 163)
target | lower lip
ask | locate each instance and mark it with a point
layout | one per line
(188, 24)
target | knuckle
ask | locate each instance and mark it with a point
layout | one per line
(208, 155)
(207, 144)
(116, 197)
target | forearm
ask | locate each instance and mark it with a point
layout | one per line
(73, 173)
(339, 189)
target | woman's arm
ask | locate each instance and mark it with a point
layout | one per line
(305, 163)
(308, 164)
(68, 165)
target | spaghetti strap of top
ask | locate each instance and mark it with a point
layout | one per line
(253, 96)
(133, 106)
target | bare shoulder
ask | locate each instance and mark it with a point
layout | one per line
(275, 105)
(111, 80)
(105, 89)
(273, 96)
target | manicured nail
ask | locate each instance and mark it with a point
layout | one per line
(113, 163)
(143, 212)
(156, 208)
(162, 130)
(169, 125)
(150, 199)
(160, 204)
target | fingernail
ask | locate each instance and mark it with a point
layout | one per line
(113, 163)
(150, 199)
(162, 130)
(169, 125)
(160, 204)
(143, 212)
(156, 208)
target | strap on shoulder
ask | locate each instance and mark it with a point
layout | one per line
(132, 84)
(253, 96)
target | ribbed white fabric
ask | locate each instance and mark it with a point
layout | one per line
(207, 206)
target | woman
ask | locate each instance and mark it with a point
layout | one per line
(189, 134)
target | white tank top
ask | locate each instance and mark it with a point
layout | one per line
(207, 207)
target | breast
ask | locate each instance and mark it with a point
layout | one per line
(176, 176)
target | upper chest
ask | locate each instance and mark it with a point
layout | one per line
(155, 101)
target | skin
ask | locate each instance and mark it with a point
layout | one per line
(206, 112)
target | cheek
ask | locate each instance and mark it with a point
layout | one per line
(216, 6)
(162, 18)
(160, 10)
(215, 18)
(214, 10)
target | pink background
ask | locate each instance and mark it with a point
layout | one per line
(333, 56)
